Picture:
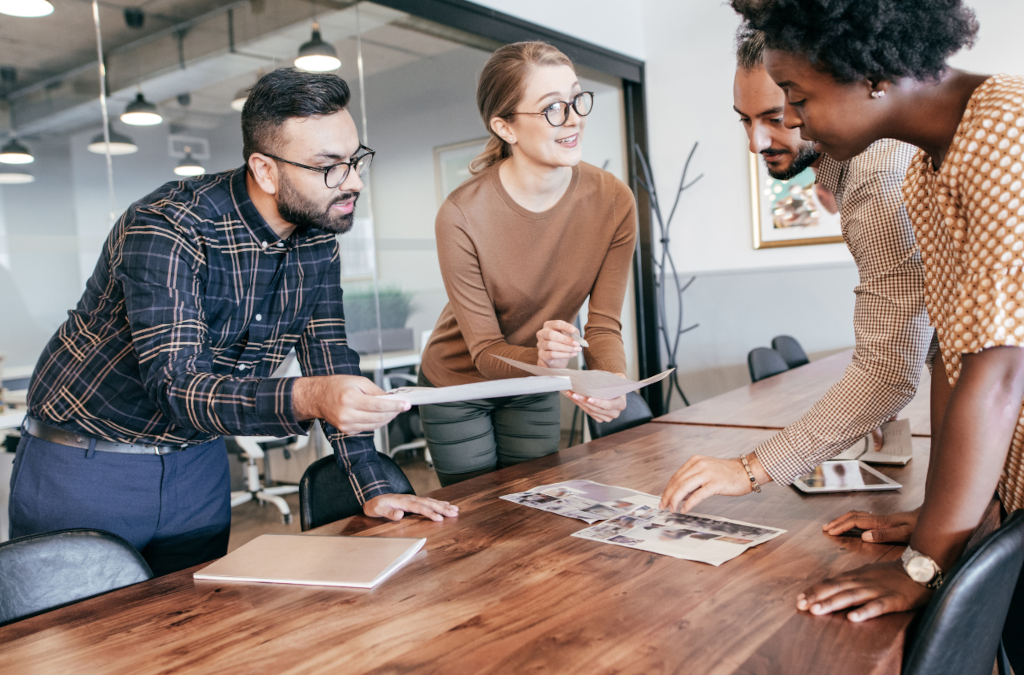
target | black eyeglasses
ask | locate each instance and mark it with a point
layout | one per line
(335, 174)
(557, 113)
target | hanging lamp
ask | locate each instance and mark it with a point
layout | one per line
(15, 153)
(119, 144)
(12, 176)
(141, 113)
(189, 166)
(317, 56)
(25, 8)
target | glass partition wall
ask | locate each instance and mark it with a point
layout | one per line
(180, 69)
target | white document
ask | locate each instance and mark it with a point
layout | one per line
(691, 536)
(582, 499)
(356, 562)
(897, 446)
(592, 383)
(516, 386)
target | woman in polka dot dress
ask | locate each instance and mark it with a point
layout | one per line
(856, 72)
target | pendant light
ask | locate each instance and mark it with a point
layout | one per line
(11, 176)
(15, 153)
(317, 56)
(119, 144)
(189, 166)
(141, 113)
(25, 8)
(238, 102)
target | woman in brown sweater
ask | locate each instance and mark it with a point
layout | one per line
(522, 244)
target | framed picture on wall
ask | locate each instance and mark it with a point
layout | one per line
(451, 165)
(795, 212)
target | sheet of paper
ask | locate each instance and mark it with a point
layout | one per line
(692, 536)
(582, 499)
(897, 445)
(516, 386)
(591, 383)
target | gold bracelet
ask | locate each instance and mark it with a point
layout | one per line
(754, 485)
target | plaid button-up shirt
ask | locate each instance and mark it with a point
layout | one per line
(193, 304)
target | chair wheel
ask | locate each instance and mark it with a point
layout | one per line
(287, 518)
(261, 502)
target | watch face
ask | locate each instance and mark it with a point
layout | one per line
(921, 569)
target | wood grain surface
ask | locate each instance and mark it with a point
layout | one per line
(778, 401)
(503, 588)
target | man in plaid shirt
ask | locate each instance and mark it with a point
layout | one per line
(202, 289)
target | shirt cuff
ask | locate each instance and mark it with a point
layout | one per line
(780, 459)
(274, 413)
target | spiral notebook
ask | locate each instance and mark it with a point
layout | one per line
(310, 560)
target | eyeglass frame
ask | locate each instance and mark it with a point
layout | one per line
(567, 105)
(327, 169)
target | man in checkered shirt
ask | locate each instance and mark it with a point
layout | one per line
(889, 321)
(202, 289)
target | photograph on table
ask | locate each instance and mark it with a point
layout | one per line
(695, 537)
(584, 500)
(795, 212)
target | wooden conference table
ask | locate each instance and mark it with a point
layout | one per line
(503, 588)
(778, 401)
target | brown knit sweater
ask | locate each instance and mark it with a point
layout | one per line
(507, 270)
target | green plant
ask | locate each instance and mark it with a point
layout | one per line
(361, 310)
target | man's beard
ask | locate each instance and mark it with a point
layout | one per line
(804, 157)
(305, 214)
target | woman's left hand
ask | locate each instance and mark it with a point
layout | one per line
(881, 588)
(602, 410)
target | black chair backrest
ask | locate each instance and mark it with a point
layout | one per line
(960, 629)
(791, 351)
(40, 572)
(636, 413)
(326, 495)
(764, 362)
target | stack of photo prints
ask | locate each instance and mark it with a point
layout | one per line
(633, 519)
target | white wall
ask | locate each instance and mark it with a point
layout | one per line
(742, 297)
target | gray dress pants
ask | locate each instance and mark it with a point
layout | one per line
(471, 438)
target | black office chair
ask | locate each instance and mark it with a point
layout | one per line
(326, 495)
(40, 572)
(959, 631)
(636, 413)
(764, 362)
(791, 351)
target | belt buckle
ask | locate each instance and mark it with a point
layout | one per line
(159, 450)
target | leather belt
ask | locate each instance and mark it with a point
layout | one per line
(54, 435)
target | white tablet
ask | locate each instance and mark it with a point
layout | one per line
(844, 476)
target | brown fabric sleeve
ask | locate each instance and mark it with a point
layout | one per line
(604, 329)
(469, 300)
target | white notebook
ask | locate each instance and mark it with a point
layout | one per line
(311, 560)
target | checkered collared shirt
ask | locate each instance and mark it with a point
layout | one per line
(193, 304)
(889, 319)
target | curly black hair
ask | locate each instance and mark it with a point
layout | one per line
(877, 39)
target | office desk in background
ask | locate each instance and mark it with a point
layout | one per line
(780, 400)
(504, 588)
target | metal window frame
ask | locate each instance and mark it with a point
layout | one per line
(494, 25)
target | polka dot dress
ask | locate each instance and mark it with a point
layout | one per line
(968, 218)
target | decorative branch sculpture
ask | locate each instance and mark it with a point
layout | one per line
(666, 266)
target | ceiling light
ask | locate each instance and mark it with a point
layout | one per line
(25, 8)
(141, 113)
(15, 176)
(15, 153)
(119, 144)
(238, 102)
(317, 56)
(189, 166)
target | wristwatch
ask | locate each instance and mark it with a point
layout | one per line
(921, 568)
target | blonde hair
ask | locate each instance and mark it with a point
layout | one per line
(501, 88)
